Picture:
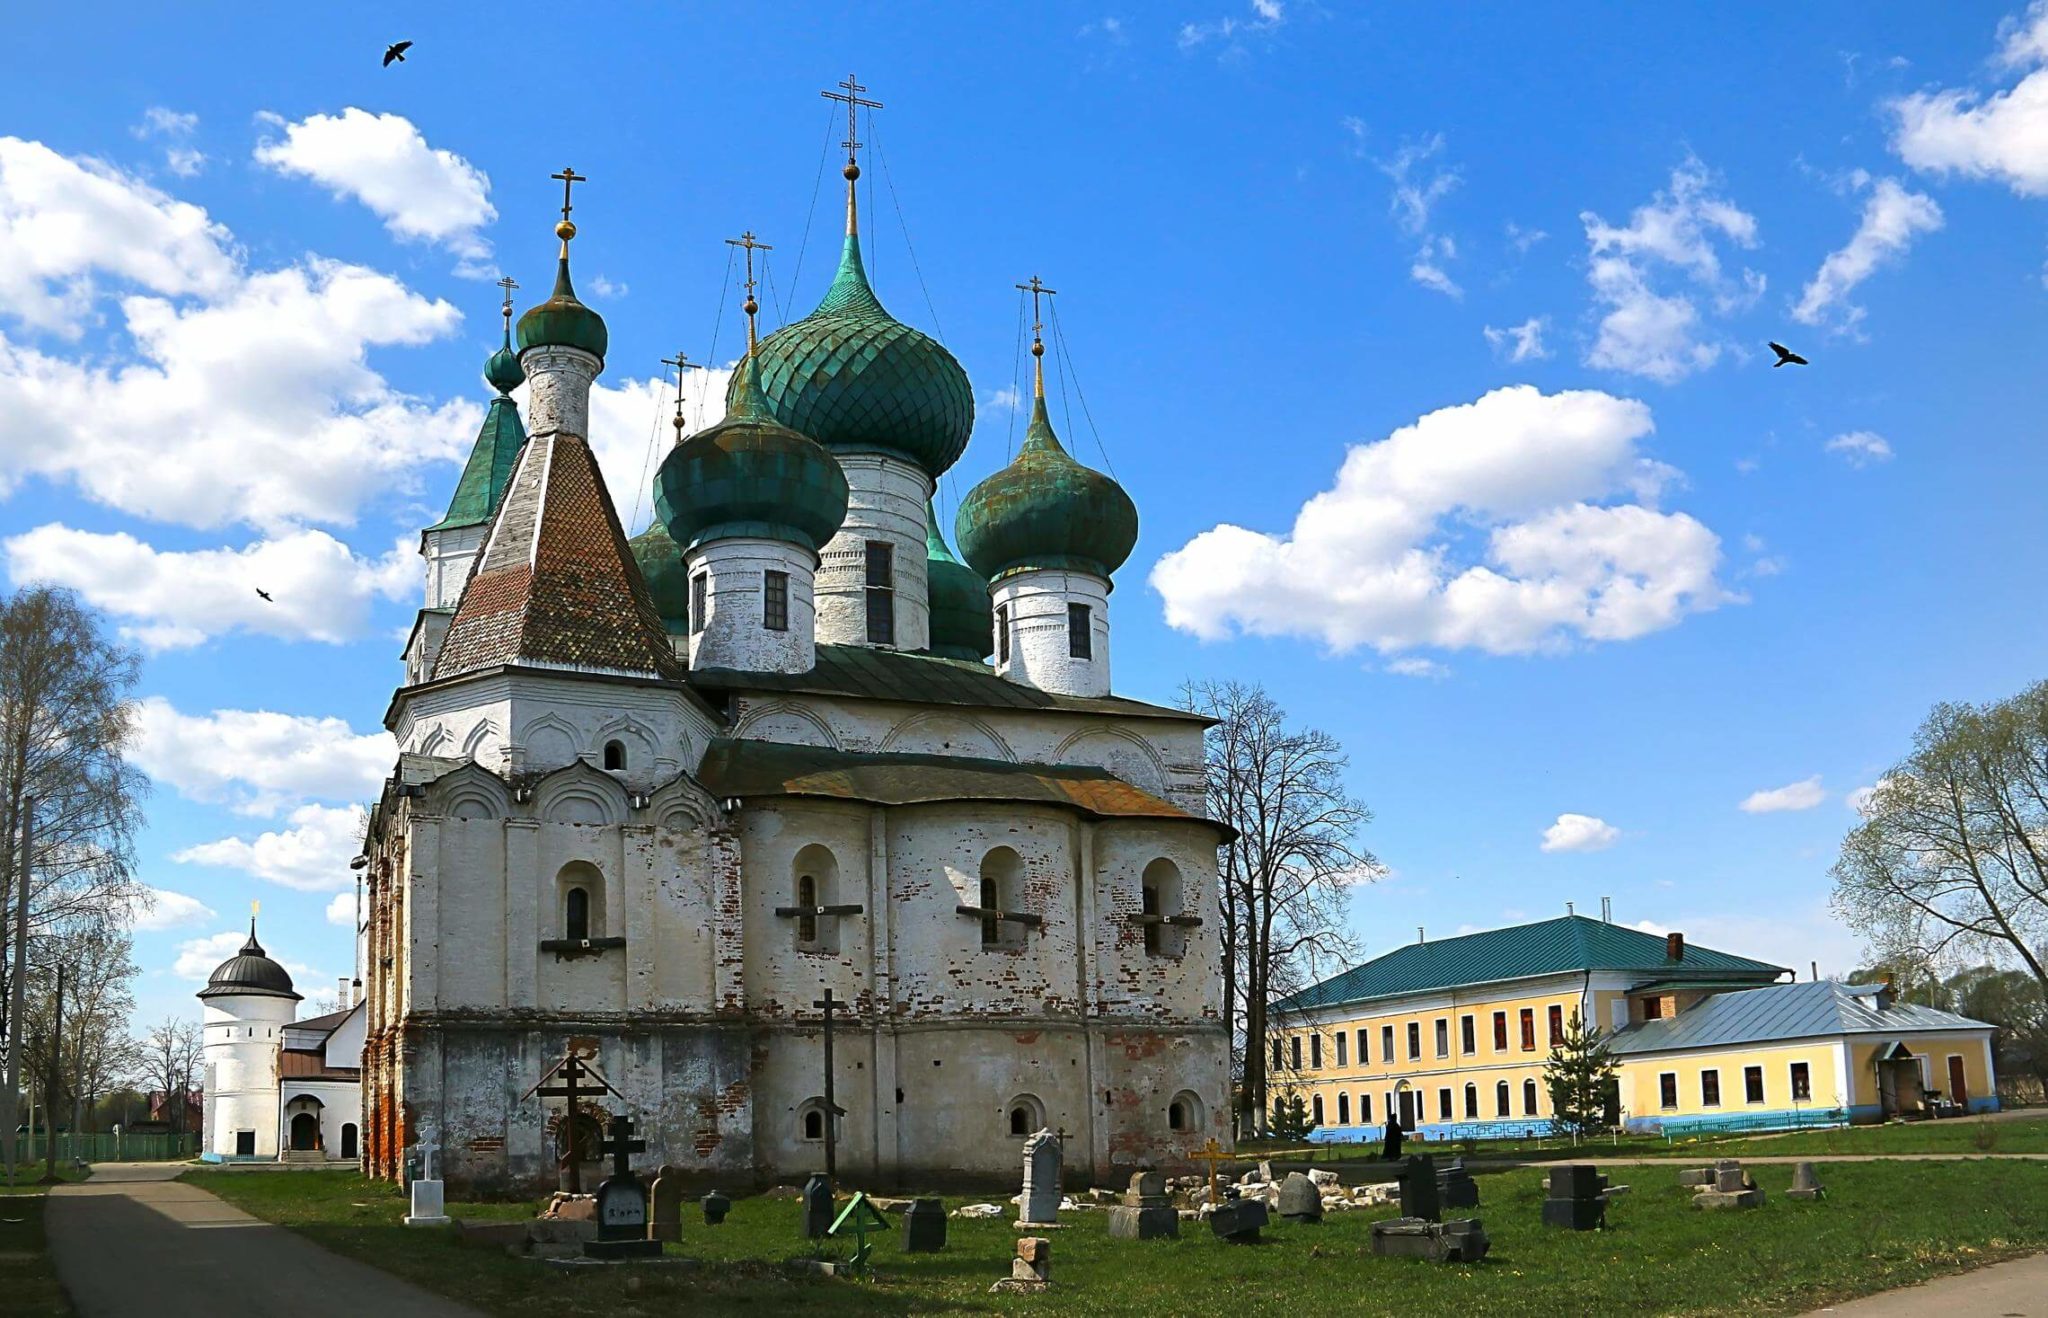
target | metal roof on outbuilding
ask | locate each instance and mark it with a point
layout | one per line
(1784, 1011)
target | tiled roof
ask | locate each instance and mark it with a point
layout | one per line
(1784, 1011)
(1547, 947)
(923, 679)
(738, 768)
(556, 585)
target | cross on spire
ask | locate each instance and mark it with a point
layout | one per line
(567, 228)
(681, 362)
(508, 284)
(747, 242)
(1038, 290)
(850, 92)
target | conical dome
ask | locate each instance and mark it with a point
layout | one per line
(562, 321)
(250, 973)
(963, 623)
(853, 377)
(749, 476)
(496, 451)
(668, 580)
(1046, 510)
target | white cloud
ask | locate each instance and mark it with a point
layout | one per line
(607, 288)
(1526, 337)
(1355, 128)
(1646, 331)
(1417, 666)
(1416, 196)
(1802, 795)
(1110, 29)
(1999, 136)
(310, 856)
(1554, 483)
(200, 957)
(1005, 399)
(320, 589)
(174, 128)
(1266, 16)
(1580, 833)
(256, 761)
(1522, 239)
(631, 427)
(1860, 448)
(1858, 799)
(1892, 217)
(422, 193)
(170, 910)
(342, 910)
(1427, 268)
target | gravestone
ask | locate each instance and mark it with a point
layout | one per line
(817, 1206)
(1030, 1270)
(1805, 1184)
(1461, 1240)
(1577, 1198)
(1041, 1206)
(1732, 1187)
(1455, 1187)
(1300, 1200)
(665, 1204)
(715, 1206)
(428, 1207)
(859, 1217)
(1238, 1220)
(924, 1226)
(1418, 1188)
(1147, 1211)
(622, 1202)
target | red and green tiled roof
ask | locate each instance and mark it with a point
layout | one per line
(556, 585)
(1569, 944)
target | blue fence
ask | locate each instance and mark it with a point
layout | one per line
(1742, 1123)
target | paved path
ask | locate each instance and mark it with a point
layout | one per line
(133, 1241)
(2018, 1289)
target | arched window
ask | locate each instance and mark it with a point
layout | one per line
(1500, 1099)
(1020, 1121)
(1365, 1109)
(1528, 1098)
(1343, 1109)
(1471, 1102)
(1025, 1115)
(576, 914)
(1002, 891)
(1184, 1112)
(814, 881)
(1161, 896)
(814, 1124)
(1315, 1109)
(991, 900)
(1148, 903)
(807, 899)
(615, 755)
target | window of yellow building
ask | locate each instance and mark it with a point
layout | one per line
(1315, 1109)
(1365, 1109)
(1468, 1040)
(1802, 1083)
(1443, 1036)
(1387, 1044)
(1500, 1031)
(1294, 1052)
(1471, 1102)
(1340, 1050)
(1556, 1025)
(1753, 1083)
(1710, 1089)
(1667, 1090)
(1528, 1029)
(1414, 1040)
(1528, 1095)
(1364, 1054)
(1276, 1054)
(1343, 1109)
(1443, 1104)
(1315, 1051)
(1500, 1099)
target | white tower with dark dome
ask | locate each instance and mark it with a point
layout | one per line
(249, 1001)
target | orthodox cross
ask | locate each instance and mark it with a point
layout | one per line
(508, 284)
(570, 178)
(833, 1111)
(622, 1146)
(1212, 1153)
(750, 306)
(682, 363)
(850, 92)
(429, 1146)
(1038, 290)
(570, 1074)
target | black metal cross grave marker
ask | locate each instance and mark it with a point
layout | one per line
(828, 1004)
(622, 1146)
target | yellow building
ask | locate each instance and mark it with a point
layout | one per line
(1452, 1036)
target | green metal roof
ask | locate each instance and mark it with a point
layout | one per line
(1046, 510)
(668, 579)
(854, 378)
(482, 485)
(562, 321)
(1565, 945)
(963, 619)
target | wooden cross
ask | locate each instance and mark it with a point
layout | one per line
(621, 1146)
(833, 1111)
(572, 1070)
(569, 179)
(1213, 1153)
(850, 92)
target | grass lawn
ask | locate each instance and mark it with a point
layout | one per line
(1884, 1225)
(28, 1288)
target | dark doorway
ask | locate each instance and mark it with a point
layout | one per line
(348, 1139)
(245, 1144)
(1958, 1090)
(1407, 1100)
(305, 1132)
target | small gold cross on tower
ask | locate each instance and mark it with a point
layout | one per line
(508, 284)
(1037, 289)
(682, 363)
(567, 228)
(750, 306)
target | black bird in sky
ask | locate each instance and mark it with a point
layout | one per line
(1787, 357)
(395, 53)
(266, 595)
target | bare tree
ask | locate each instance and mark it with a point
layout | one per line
(169, 1062)
(97, 1051)
(1952, 852)
(1286, 875)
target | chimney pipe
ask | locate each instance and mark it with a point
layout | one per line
(1815, 967)
(1419, 935)
(1607, 910)
(1568, 909)
(1674, 946)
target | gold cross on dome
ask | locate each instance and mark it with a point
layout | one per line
(570, 178)
(508, 284)
(1037, 289)
(850, 92)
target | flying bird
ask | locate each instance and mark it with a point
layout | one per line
(266, 595)
(395, 53)
(1787, 357)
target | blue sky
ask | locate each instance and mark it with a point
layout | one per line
(1593, 576)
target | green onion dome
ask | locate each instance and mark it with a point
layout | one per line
(562, 321)
(1046, 510)
(503, 371)
(668, 580)
(854, 378)
(749, 476)
(963, 622)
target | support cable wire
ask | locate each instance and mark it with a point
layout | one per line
(831, 118)
(1016, 381)
(654, 435)
(1060, 343)
(774, 293)
(883, 160)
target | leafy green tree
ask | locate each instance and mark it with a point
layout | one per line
(1291, 1121)
(1581, 1077)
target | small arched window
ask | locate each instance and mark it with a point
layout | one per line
(1528, 1098)
(1500, 1099)
(814, 1125)
(807, 898)
(814, 881)
(1343, 1109)
(1184, 1112)
(1149, 904)
(615, 755)
(991, 900)
(1471, 1102)
(1024, 1115)
(1020, 1120)
(1161, 898)
(1315, 1109)
(576, 915)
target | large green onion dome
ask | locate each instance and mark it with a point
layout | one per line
(853, 377)
(1046, 510)
(963, 622)
(668, 580)
(749, 476)
(562, 321)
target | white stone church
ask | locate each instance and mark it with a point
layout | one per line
(655, 798)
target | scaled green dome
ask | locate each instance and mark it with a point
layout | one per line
(853, 377)
(1046, 510)
(563, 322)
(503, 371)
(963, 621)
(668, 581)
(749, 476)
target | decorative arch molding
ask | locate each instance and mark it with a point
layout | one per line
(643, 748)
(431, 744)
(923, 731)
(787, 721)
(1128, 756)
(579, 794)
(549, 742)
(469, 792)
(681, 804)
(478, 735)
